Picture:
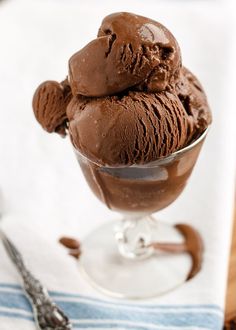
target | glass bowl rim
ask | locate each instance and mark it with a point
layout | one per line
(153, 163)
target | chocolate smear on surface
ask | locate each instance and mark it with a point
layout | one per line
(70, 243)
(193, 245)
(75, 253)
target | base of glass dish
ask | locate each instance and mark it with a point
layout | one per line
(133, 278)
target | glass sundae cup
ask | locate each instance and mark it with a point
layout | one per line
(120, 257)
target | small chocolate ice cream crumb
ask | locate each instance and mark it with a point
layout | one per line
(75, 253)
(70, 243)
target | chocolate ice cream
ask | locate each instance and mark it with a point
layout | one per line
(129, 129)
(138, 127)
(130, 51)
(131, 101)
(144, 188)
(49, 103)
(128, 101)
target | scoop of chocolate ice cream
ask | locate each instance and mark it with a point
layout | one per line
(130, 51)
(128, 100)
(135, 128)
(49, 104)
(193, 98)
(138, 127)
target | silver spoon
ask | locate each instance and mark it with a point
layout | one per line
(47, 314)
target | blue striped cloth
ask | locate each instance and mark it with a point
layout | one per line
(91, 313)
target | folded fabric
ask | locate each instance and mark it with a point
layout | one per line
(86, 308)
(46, 195)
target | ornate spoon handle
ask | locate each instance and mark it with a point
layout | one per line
(47, 314)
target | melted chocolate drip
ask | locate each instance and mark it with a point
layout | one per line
(193, 245)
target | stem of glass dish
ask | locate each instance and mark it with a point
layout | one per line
(134, 237)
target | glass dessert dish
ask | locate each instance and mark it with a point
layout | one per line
(119, 257)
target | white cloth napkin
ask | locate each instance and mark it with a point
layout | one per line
(46, 195)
